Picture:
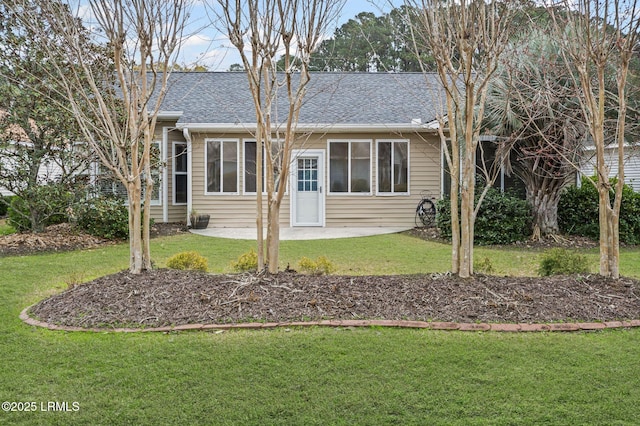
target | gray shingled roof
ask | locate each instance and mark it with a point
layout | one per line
(332, 99)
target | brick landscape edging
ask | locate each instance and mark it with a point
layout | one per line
(436, 325)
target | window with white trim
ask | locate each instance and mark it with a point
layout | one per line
(179, 173)
(393, 167)
(221, 174)
(349, 166)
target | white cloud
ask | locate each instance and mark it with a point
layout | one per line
(196, 40)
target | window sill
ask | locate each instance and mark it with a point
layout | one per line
(220, 194)
(350, 194)
(393, 194)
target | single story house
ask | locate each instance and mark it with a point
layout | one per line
(367, 150)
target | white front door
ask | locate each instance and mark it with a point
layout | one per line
(307, 192)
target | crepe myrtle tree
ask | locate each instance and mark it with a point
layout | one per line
(116, 107)
(465, 39)
(596, 35)
(262, 31)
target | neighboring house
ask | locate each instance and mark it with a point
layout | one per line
(49, 170)
(367, 150)
(631, 164)
(14, 137)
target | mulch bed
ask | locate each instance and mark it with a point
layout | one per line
(55, 238)
(169, 297)
(66, 237)
(569, 242)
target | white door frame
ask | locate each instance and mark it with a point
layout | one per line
(293, 185)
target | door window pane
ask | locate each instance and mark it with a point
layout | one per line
(307, 174)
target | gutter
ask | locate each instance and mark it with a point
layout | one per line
(165, 175)
(170, 115)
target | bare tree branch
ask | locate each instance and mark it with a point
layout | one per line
(116, 104)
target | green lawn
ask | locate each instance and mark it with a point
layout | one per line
(308, 376)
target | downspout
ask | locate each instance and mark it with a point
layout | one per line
(187, 137)
(165, 175)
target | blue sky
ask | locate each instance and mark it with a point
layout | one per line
(207, 46)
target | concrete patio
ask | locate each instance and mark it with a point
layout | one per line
(299, 233)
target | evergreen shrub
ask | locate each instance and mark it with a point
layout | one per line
(43, 206)
(105, 216)
(5, 202)
(502, 219)
(578, 212)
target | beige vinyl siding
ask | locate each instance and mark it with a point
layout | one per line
(177, 213)
(341, 210)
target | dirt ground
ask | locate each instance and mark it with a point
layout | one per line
(168, 297)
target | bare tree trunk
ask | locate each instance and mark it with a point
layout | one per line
(601, 34)
(466, 221)
(455, 212)
(270, 28)
(35, 219)
(465, 39)
(146, 215)
(544, 210)
(608, 213)
(259, 199)
(452, 158)
(116, 105)
(135, 238)
(273, 242)
(609, 234)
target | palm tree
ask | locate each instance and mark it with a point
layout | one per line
(532, 107)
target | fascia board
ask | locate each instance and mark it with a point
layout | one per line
(320, 127)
